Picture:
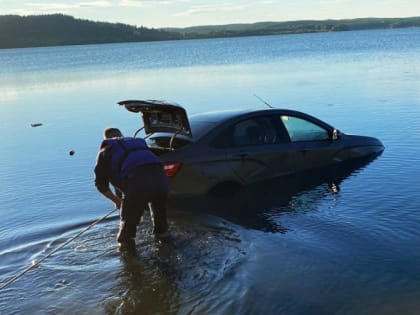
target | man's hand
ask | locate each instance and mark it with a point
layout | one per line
(118, 203)
(113, 197)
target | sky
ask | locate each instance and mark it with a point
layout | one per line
(183, 13)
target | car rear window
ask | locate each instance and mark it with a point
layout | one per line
(200, 128)
(164, 141)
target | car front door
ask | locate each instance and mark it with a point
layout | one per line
(312, 142)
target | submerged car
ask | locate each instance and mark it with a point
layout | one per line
(222, 151)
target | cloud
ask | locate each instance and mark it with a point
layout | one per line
(42, 6)
(132, 3)
(207, 8)
(101, 4)
(147, 3)
(332, 2)
(34, 8)
(66, 6)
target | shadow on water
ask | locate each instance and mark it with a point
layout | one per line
(176, 275)
(146, 285)
(253, 207)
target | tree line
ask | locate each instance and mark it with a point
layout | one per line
(58, 29)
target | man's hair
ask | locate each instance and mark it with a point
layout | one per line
(112, 133)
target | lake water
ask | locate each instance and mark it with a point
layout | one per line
(352, 248)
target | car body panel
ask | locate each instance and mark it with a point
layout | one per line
(201, 170)
(354, 147)
(314, 154)
(289, 142)
(251, 164)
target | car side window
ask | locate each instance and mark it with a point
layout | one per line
(303, 130)
(255, 131)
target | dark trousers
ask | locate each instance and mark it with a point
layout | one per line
(147, 186)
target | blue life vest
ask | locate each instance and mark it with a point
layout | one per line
(127, 154)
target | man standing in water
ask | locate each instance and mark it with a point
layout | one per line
(138, 173)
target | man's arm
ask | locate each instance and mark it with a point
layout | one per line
(102, 178)
(113, 197)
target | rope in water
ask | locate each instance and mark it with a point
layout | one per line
(36, 263)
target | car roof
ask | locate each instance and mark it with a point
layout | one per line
(218, 116)
(223, 115)
(168, 116)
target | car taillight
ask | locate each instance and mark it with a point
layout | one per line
(171, 168)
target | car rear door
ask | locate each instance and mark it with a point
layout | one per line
(258, 150)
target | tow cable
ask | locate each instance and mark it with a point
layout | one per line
(37, 263)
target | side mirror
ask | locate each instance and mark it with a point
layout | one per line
(335, 134)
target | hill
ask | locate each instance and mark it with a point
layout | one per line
(57, 29)
(294, 27)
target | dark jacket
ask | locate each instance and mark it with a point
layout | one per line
(118, 158)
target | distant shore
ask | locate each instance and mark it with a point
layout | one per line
(58, 30)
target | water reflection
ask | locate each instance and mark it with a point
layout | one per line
(176, 275)
(258, 206)
(147, 286)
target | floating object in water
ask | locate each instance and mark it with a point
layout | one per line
(72, 152)
(36, 124)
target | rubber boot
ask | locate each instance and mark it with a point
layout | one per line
(160, 225)
(126, 234)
